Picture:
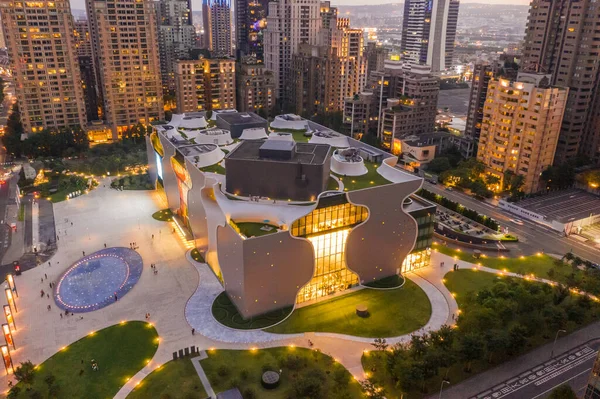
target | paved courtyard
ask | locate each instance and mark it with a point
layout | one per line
(118, 218)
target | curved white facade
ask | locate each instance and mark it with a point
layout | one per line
(345, 166)
(212, 156)
(289, 121)
(332, 138)
(212, 136)
(255, 133)
(191, 122)
(281, 136)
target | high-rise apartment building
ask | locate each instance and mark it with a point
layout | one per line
(359, 117)
(410, 101)
(429, 31)
(322, 77)
(482, 73)
(251, 20)
(562, 40)
(376, 57)
(289, 23)
(125, 53)
(255, 87)
(83, 43)
(217, 27)
(520, 127)
(205, 84)
(176, 37)
(43, 59)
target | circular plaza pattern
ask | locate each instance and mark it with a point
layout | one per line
(97, 280)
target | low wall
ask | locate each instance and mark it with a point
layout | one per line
(469, 245)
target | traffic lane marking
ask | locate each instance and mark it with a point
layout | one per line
(555, 367)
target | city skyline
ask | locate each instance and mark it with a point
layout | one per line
(197, 4)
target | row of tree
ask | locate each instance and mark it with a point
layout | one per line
(496, 324)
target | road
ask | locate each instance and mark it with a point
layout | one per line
(571, 367)
(535, 236)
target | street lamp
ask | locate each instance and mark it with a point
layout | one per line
(442, 386)
(554, 344)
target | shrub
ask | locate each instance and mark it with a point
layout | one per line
(267, 367)
(223, 371)
(244, 374)
(249, 393)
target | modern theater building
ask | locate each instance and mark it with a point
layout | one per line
(288, 218)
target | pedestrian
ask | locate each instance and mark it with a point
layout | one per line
(193, 331)
(61, 315)
(46, 276)
(48, 296)
(83, 253)
(116, 297)
(104, 245)
(50, 264)
(49, 307)
(66, 312)
(42, 293)
(153, 236)
(71, 223)
(42, 279)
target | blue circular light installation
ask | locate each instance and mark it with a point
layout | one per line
(99, 279)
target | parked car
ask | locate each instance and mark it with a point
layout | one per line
(517, 221)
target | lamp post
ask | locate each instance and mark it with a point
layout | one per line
(442, 386)
(554, 344)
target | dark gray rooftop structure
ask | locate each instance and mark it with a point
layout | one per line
(563, 206)
(236, 122)
(280, 169)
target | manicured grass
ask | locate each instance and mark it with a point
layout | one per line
(164, 216)
(332, 184)
(462, 282)
(537, 265)
(299, 367)
(120, 352)
(197, 256)
(392, 313)
(225, 312)
(177, 379)
(387, 282)
(216, 168)
(21, 214)
(254, 229)
(370, 179)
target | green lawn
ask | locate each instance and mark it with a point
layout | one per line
(120, 352)
(332, 184)
(370, 179)
(225, 312)
(462, 282)
(216, 168)
(387, 282)
(250, 229)
(164, 215)
(392, 313)
(538, 265)
(305, 373)
(177, 379)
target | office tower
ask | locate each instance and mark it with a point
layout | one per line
(83, 44)
(376, 57)
(251, 20)
(255, 87)
(289, 23)
(205, 84)
(428, 32)
(520, 127)
(560, 41)
(409, 105)
(176, 37)
(125, 53)
(217, 27)
(43, 59)
(482, 73)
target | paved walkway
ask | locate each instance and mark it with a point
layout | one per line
(202, 375)
(116, 218)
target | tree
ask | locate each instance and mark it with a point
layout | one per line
(557, 177)
(497, 341)
(14, 130)
(471, 347)
(492, 180)
(372, 390)
(516, 338)
(563, 392)
(380, 344)
(25, 373)
(1, 90)
(438, 165)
